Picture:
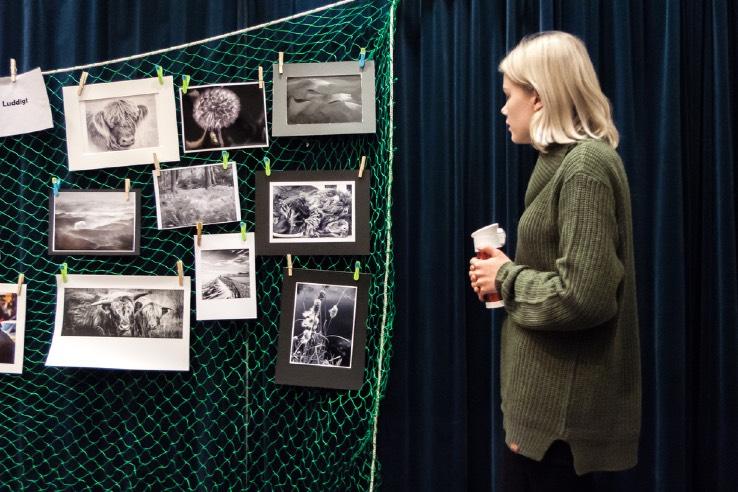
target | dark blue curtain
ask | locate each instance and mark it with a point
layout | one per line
(671, 71)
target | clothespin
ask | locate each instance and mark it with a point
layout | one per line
(14, 70)
(185, 83)
(224, 154)
(198, 226)
(361, 167)
(357, 267)
(267, 166)
(82, 81)
(243, 231)
(362, 58)
(261, 77)
(21, 277)
(281, 62)
(56, 184)
(289, 264)
(157, 169)
(160, 74)
(128, 188)
(180, 272)
(64, 270)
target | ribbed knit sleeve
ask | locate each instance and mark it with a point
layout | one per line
(580, 290)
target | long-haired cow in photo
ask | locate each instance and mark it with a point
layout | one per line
(147, 318)
(114, 126)
(111, 316)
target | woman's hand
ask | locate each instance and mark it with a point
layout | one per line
(483, 273)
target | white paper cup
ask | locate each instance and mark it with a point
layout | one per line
(494, 236)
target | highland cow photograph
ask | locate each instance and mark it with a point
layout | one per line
(224, 116)
(225, 277)
(323, 328)
(121, 322)
(188, 195)
(331, 98)
(313, 212)
(12, 328)
(94, 222)
(120, 123)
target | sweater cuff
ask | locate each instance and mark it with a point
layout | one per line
(502, 274)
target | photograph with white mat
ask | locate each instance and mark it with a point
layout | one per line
(225, 277)
(12, 327)
(122, 322)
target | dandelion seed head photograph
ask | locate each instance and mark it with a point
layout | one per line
(226, 116)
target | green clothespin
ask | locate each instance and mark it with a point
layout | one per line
(243, 231)
(64, 269)
(225, 155)
(268, 166)
(185, 83)
(160, 74)
(357, 267)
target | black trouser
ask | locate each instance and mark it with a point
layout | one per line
(555, 473)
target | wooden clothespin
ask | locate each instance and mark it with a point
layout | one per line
(357, 267)
(289, 264)
(362, 58)
(362, 166)
(64, 270)
(157, 169)
(180, 272)
(21, 278)
(243, 231)
(261, 77)
(281, 62)
(13, 70)
(82, 81)
(198, 226)
(128, 188)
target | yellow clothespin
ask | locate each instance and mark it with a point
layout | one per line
(261, 77)
(361, 167)
(21, 277)
(185, 83)
(198, 226)
(267, 166)
(180, 272)
(281, 62)
(82, 81)
(128, 188)
(64, 271)
(160, 74)
(13, 70)
(289, 264)
(157, 169)
(224, 154)
(357, 267)
(243, 231)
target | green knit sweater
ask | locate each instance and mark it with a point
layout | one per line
(570, 362)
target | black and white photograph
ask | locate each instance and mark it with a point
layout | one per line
(323, 99)
(312, 212)
(188, 195)
(121, 322)
(121, 123)
(12, 328)
(331, 99)
(225, 277)
(322, 329)
(95, 222)
(223, 116)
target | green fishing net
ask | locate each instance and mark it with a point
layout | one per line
(225, 424)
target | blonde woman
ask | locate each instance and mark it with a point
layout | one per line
(570, 361)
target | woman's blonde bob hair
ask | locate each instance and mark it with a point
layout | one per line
(557, 66)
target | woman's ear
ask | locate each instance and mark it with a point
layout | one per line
(537, 103)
